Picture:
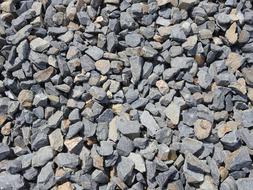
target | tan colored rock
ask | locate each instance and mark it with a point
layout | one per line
(231, 34)
(190, 42)
(74, 144)
(162, 86)
(7, 6)
(44, 75)
(25, 98)
(56, 140)
(116, 2)
(208, 184)
(227, 127)
(162, 2)
(3, 118)
(103, 66)
(240, 85)
(65, 186)
(250, 94)
(117, 108)
(6, 129)
(234, 61)
(113, 132)
(202, 129)
(223, 173)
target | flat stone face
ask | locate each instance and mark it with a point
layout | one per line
(39, 44)
(148, 121)
(126, 94)
(173, 112)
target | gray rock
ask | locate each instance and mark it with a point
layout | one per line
(223, 18)
(67, 160)
(56, 140)
(162, 178)
(133, 39)
(238, 159)
(4, 151)
(95, 52)
(98, 93)
(55, 119)
(148, 121)
(173, 112)
(148, 52)
(244, 183)
(39, 140)
(74, 129)
(46, 178)
(39, 44)
(191, 145)
(128, 127)
(182, 62)
(164, 135)
(99, 176)
(136, 64)
(127, 21)
(228, 184)
(112, 42)
(124, 146)
(42, 156)
(83, 18)
(40, 60)
(247, 137)
(125, 168)
(30, 174)
(87, 63)
(9, 181)
(246, 118)
(106, 148)
(196, 165)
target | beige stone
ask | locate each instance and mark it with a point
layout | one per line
(6, 129)
(234, 61)
(65, 186)
(25, 98)
(44, 75)
(227, 127)
(162, 86)
(231, 34)
(202, 129)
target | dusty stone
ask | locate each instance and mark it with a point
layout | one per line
(226, 128)
(56, 140)
(148, 121)
(103, 66)
(173, 112)
(39, 44)
(44, 75)
(25, 98)
(234, 61)
(231, 34)
(202, 129)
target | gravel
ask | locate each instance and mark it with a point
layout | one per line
(121, 94)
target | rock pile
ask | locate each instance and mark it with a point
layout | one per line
(126, 94)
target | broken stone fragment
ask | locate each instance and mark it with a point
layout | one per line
(173, 112)
(202, 129)
(25, 98)
(39, 44)
(148, 121)
(231, 34)
(44, 75)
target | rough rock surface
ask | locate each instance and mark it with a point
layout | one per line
(126, 94)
